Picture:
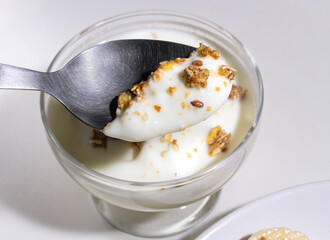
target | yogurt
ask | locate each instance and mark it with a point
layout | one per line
(171, 155)
(180, 93)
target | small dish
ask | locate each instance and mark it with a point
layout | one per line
(163, 208)
(304, 208)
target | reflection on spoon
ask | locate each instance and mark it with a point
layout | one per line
(90, 83)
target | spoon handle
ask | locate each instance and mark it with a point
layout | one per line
(12, 77)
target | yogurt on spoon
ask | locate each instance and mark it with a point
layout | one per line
(179, 94)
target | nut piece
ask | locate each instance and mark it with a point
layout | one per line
(196, 77)
(205, 51)
(217, 140)
(124, 100)
(227, 72)
(197, 103)
(98, 139)
(237, 93)
(138, 89)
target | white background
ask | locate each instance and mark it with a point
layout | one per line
(290, 41)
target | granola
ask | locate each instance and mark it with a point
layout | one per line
(237, 93)
(138, 89)
(196, 77)
(124, 100)
(217, 140)
(205, 51)
(227, 72)
(98, 139)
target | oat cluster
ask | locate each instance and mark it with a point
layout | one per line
(98, 139)
(205, 51)
(124, 100)
(138, 89)
(217, 140)
(157, 75)
(237, 93)
(227, 72)
(196, 77)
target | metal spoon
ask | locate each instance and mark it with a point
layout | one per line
(89, 84)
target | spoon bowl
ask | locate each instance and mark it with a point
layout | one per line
(88, 86)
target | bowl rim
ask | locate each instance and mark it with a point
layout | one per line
(169, 183)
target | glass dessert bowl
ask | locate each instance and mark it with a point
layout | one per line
(152, 208)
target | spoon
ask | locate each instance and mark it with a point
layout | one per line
(88, 86)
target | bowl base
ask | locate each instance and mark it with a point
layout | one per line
(156, 224)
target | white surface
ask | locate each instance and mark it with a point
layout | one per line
(290, 41)
(303, 208)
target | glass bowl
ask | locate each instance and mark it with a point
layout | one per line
(155, 209)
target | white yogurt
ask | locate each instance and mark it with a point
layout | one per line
(167, 104)
(157, 160)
